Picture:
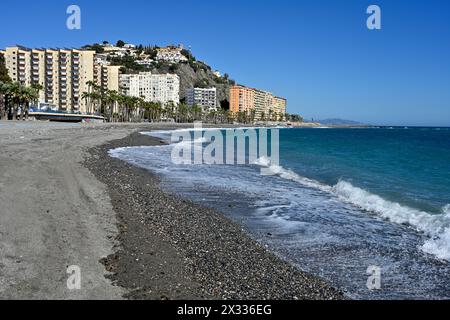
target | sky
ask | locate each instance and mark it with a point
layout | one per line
(319, 54)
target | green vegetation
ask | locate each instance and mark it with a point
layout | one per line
(120, 43)
(128, 62)
(95, 47)
(294, 117)
(151, 51)
(15, 97)
(116, 107)
(4, 77)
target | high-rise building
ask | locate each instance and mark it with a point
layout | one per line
(206, 98)
(242, 99)
(264, 104)
(163, 88)
(280, 107)
(107, 77)
(63, 74)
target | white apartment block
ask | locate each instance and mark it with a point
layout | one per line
(171, 54)
(206, 98)
(163, 88)
(62, 73)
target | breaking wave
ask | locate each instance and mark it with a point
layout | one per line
(435, 226)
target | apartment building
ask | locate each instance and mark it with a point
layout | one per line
(206, 98)
(280, 107)
(107, 77)
(242, 99)
(62, 73)
(163, 88)
(265, 105)
(262, 105)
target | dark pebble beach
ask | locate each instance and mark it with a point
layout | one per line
(171, 248)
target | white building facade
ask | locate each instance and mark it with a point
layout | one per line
(203, 97)
(171, 54)
(163, 88)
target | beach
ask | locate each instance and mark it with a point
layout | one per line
(66, 202)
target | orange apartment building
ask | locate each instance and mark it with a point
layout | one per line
(241, 99)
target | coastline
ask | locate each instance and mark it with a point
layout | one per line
(170, 248)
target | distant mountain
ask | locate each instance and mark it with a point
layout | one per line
(340, 122)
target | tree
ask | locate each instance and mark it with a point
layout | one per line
(96, 47)
(4, 77)
(4, 97)
(120, 43)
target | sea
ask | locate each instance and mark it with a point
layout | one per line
(366, 209)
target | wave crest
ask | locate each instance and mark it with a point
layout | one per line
(435, 226)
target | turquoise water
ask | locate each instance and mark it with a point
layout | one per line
(341, 201)
(409, 166)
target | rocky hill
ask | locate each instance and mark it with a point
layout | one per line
(197, 74)
(192, 73)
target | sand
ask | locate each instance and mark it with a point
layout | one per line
(65, 202)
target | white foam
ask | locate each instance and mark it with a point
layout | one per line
(263, 162)
(431, 224)
(435, 226)
(439, 246)
(446, 209)
(291, 175)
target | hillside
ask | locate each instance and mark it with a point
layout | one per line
(191, 76)
(192, 73)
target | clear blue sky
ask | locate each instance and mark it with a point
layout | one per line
(317, 53)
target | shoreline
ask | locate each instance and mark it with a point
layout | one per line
(171, 248)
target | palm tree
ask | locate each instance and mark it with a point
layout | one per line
(16, 98)
(252, 116)
(287, 117)
(32, 97)
(28, 95)
(87, 97)
(270, 115)
(4, 90)
(112, 99)
(195, 113)
(263, 116)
